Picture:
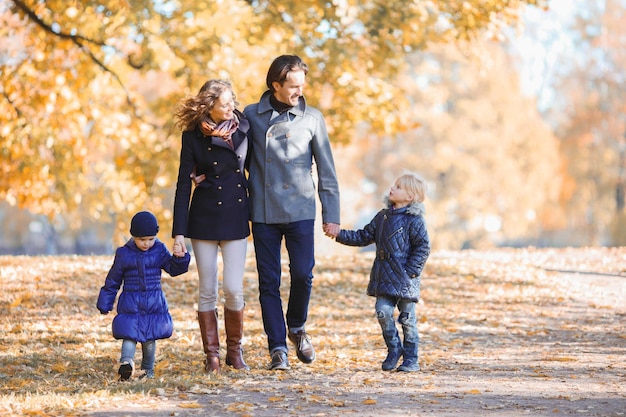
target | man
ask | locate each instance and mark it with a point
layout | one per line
(287, 136)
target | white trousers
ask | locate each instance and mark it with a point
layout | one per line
(234, 261)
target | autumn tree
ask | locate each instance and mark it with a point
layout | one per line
(491, 162)
(588, 110)
(89, 87)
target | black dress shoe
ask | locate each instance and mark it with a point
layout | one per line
(304, 348)
(279, 361)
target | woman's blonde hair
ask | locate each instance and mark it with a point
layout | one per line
(193, 110)
(414, 185)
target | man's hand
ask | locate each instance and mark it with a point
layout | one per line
(331, 229)
(197, 179)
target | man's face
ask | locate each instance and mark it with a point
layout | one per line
(291, 90)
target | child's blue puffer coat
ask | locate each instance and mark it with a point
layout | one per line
(402, 248)
(142, 312)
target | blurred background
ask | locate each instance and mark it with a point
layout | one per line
(513, 111)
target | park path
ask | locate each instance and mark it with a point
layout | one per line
(562, 354)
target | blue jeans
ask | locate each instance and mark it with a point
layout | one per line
(385, 307)
(299, 243)
(148, 351)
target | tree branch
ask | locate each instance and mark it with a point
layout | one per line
(8, 99)
(79, 41)
(34, 18)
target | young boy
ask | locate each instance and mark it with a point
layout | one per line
(402, 247)
(142, 312)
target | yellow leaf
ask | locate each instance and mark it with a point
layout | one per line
(189, 405)
(16, 302)
(369, 401)
(58, 367)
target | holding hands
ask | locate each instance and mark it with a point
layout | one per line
(331, 229)
(180, 249)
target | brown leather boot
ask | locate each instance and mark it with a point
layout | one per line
(210, 340)
(233, 321)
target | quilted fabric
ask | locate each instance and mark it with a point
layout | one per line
(402, 248)
(142, 311)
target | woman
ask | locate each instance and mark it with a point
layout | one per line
(215, 147)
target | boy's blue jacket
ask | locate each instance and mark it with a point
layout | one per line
(402, 247)
(142, 312)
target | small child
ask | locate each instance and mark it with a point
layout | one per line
(142, 312)
(402, 248)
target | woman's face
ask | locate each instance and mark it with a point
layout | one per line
(223, 108)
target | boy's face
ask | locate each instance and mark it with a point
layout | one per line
(145, 243)
(399, 196)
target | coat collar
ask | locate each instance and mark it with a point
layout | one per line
(414, 209)
(265, 106)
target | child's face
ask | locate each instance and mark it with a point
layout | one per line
(399, 196)
(145, 243)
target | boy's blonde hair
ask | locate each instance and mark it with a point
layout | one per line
(414, 185)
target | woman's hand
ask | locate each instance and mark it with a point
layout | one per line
(180, 249)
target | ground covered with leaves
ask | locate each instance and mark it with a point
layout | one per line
(503, 333)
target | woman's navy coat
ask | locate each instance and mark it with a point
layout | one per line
(142, 312)
(402, 247)
(219, 208)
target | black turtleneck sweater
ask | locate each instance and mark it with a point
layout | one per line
(279, 106)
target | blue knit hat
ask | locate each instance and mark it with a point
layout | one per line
(144, 224)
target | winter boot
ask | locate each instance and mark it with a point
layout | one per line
(392, 340)
(210, 340)
(410, 362)
(233, 321)
(391, 361)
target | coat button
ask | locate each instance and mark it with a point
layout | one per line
(209, 148)
(219, 203)
(214, 162)
(240, 200)
(285, 186)
(286, 161)
(238, 170)
(217, 176)
(238, 185)
(288, 135)
(219, 187)
(269, 159)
